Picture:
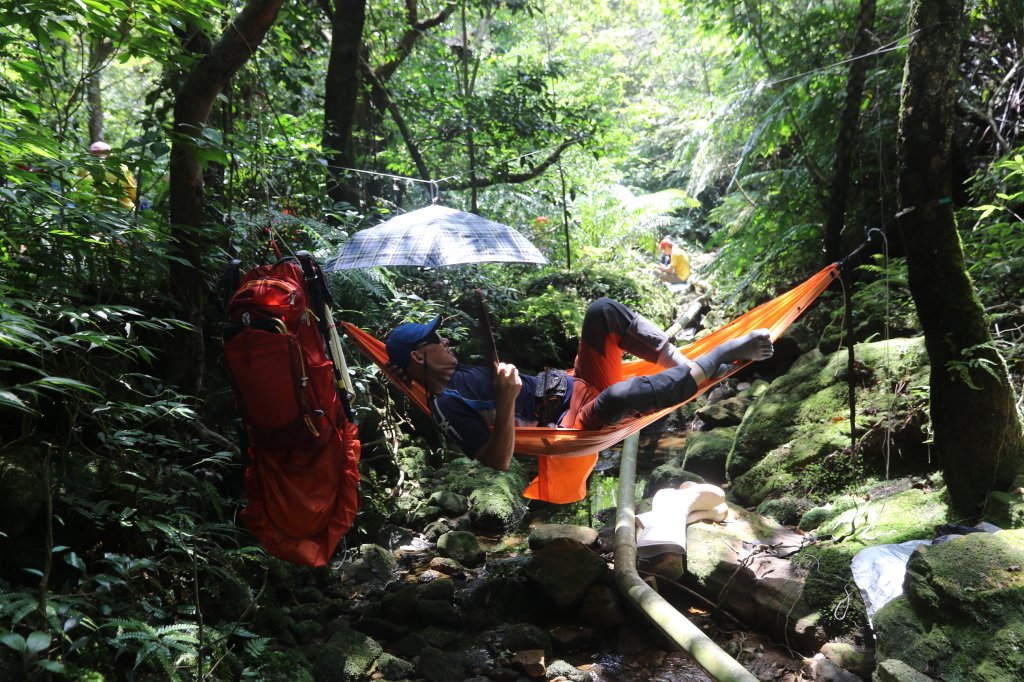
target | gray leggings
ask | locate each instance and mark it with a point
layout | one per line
(609, 328)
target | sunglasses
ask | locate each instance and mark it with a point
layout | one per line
(427, 340)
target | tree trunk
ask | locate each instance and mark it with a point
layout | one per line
(341, 92)
(977, 431)
(99, 51)
(836, 212)
(191, 111)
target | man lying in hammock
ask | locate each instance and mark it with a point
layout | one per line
(481, 406)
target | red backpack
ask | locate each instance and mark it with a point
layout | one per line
(302, 475)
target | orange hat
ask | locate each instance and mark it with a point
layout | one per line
(665, 241)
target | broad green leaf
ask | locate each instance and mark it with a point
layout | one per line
(38, 641)
(52, 666)
(13, 641)
(213, 135)
(75, 561)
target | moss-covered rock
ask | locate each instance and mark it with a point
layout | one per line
(669, 475)
(755, 390)
(814, 517)
(423, 514)
(910, 514)
(1005, 509)
(962, 616)
(728, 412)
(895, 670)
(452, 504)
(415, 461)
(564, 570)
(275, 622)
(306, 631)
(796, 436)
(461, 546)
(495, 497)
(707, 452)
(787, 510)
(394, 668)
(284, 665)
(347, 655)
(741, 565)
(566, 671)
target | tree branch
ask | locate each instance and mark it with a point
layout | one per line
(382, 98)
(411, 36)
(515, 178)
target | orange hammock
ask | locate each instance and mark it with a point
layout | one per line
(566, 456)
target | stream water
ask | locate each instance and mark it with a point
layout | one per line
(650, 667)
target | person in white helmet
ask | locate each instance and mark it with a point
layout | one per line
(124, 178)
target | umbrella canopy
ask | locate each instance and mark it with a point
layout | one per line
(433, 237)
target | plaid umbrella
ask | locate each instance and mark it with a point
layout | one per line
(433, 237)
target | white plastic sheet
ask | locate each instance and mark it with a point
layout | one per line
(879, 571)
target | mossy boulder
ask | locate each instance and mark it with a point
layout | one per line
(461, 546)
(886, 518)
(273, 621)
(707, 452)
(415, 461)
(495, 497)
(815, 516)
(728, 412)
(284, 665)
(452, 504)
(669, 475)
(347, 655)
(394, 668)
(1006, 509)
(375, 564)
(796, 436)
(742, 565)
(786, 510)
(962, 614)
(564, 570)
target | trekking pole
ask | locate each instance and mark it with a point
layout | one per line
(328, 329)
(334, 341)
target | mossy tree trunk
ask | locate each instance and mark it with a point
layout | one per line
(977, 431)
(341, 93)
(192, 109)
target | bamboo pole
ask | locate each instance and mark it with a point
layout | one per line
(663, 615)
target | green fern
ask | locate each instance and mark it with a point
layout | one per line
(978, 357)
(256, 647)
(169, 646)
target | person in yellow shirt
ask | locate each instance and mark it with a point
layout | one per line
(674, 266)
(125, 179)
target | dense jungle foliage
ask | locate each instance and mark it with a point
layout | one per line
(593, 128)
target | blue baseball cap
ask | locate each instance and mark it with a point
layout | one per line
(403, 339)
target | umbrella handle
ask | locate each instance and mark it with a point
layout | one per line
(485, 324)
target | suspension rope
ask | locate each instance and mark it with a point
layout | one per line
(897, 44)
(436, 183)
